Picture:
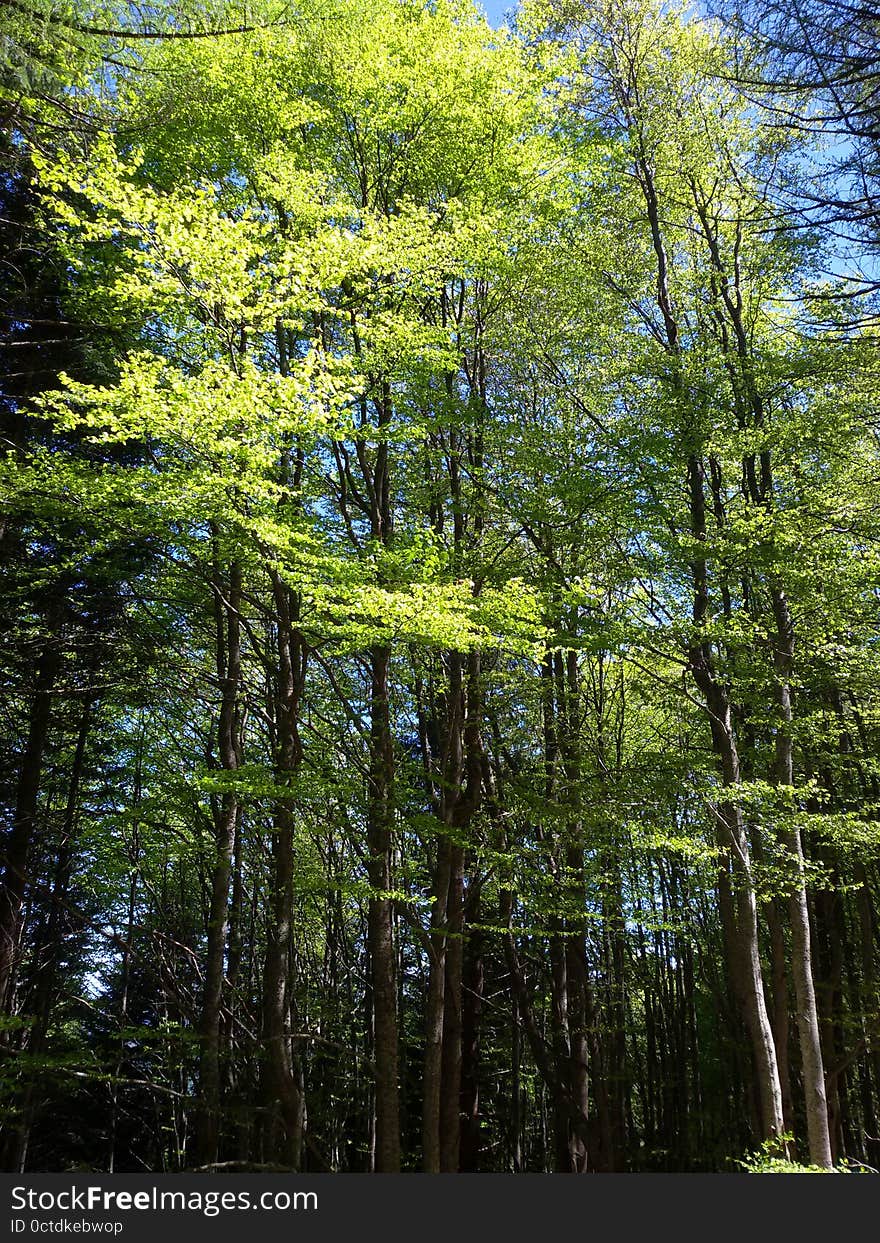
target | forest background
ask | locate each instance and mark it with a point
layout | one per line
(440, 704)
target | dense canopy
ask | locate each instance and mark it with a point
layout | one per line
(440, 545)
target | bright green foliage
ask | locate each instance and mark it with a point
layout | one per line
(364, 512)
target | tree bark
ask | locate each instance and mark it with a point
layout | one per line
(472, 1008)
(744, 927)
(228, 672)
(812, 1067)
(434, 1013)
(380, 919)
(19, 840)
(282, 1078)
(450, 1097)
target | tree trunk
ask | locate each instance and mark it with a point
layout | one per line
(450, 1096)
(472, 1008)
(434, 1013)
(18, 842)
(48, 949)
(282, 1079)
(380, 919)
(228, 672)
(745, 952)
(812, 1068)
(779, 975)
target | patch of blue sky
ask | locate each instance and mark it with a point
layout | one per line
(497, 11)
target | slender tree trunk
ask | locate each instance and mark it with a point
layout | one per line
(578, 1069)
(747, 951)
(516, 1109)
(576, 970)
(434, 1013)
(282, 1079)
(744, 926)
(380, 919)
(450, 1098)
(128, 945)
(812, 1067)
(869, 1007)
(49, 947)
(779, 974)
(461, 760)
(228, 671)
(19, 840)
(472, 1003)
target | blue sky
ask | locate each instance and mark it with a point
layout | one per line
(495, 9)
